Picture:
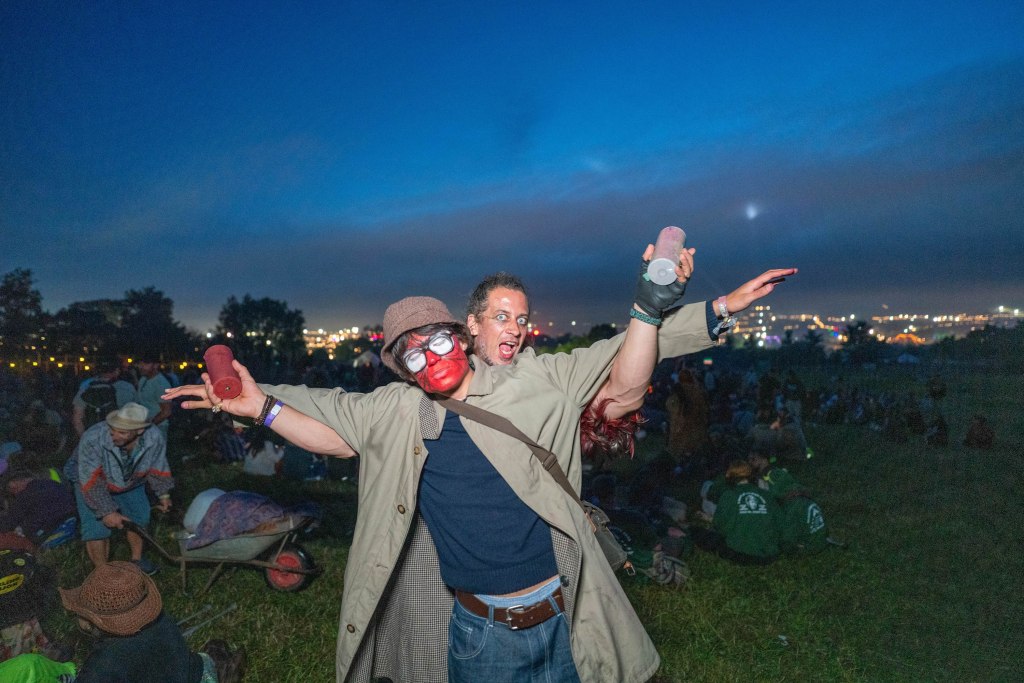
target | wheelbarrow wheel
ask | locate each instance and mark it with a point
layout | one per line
(292, 555)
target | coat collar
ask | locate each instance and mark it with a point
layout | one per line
(482, 383)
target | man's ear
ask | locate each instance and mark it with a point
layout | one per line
(472, 324)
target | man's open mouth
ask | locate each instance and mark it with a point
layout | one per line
(507, 349)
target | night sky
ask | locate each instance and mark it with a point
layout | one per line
(341, 156)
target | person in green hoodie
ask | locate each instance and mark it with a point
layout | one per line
(746, 528)
(803, 523)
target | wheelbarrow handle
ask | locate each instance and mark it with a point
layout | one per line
(135, 528)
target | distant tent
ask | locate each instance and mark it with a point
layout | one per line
(908, 339)
(367, 357)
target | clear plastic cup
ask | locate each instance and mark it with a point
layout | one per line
(662, 267)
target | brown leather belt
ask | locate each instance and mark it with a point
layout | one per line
(517, 617)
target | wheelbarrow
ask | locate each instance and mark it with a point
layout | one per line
(286, 565)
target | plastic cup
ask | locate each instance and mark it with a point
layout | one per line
(662, 267)
(226, 382)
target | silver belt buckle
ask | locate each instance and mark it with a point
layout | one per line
(508, 616)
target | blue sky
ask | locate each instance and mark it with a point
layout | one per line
(339, 156)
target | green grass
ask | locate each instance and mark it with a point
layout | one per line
(928, 589)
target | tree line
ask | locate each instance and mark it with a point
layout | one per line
(262, 332)
(267, 335)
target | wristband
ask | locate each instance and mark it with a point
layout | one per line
(644, 318)
(273, 413)
(722, 307)
(267, 405)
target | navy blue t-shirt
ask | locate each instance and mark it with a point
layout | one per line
(488, 541)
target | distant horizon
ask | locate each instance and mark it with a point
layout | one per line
(777, 301)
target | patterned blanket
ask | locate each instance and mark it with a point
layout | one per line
(238, 512)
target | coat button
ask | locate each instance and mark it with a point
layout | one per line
(350, 628)
(416, 450)
(401, 509)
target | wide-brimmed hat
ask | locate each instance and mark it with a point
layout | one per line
(408, 314)
(128, 417)
(116, 597)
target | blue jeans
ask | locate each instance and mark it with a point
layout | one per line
(479, 649)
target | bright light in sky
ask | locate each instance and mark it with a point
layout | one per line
(752, 211)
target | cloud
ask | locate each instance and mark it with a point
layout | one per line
(912, 199)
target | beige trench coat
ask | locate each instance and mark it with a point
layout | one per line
(395, 609)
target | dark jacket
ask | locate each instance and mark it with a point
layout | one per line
(156, 654)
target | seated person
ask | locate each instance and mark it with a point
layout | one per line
(263, 462)
(777, 481)
(746, 528)
(791, 444)
(36, 668)
(938, 432)
(980, 434)
(136, 640)
(27, 589)
(37, 505)
(710, 492)
(803, 523)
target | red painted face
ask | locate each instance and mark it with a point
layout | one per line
(442, 374)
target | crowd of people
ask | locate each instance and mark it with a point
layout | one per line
(112, 438)
(727, 428)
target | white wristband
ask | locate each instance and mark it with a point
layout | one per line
(723, 308)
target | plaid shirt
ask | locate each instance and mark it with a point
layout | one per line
(395, 608)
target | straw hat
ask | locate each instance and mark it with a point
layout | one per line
(117, 597)
(408, 314)
(129, 417)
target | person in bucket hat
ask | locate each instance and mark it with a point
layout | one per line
(469, 561)
(110, 468)
(136, 641)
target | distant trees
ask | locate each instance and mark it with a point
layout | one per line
(264, 333)
(990, 347)
(84, 327)
(861, 345)
(21, 313)
(147, 324)
(142, 321)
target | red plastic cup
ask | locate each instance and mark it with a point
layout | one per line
(226, 382)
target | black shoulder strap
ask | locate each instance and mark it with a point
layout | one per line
(548, 459)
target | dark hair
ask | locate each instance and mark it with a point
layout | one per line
(149, 356)
(401, 345)
(478, 299)
(105, 365)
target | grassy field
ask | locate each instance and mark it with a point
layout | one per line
(928, 588)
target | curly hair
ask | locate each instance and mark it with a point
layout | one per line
(615, 437)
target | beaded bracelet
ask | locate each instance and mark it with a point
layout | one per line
(267, 405)
(644, 318)
(273, 413)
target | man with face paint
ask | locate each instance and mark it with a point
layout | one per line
(469, 562)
